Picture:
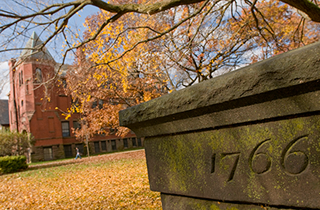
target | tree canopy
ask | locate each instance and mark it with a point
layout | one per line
(17, 18)
(133, 51)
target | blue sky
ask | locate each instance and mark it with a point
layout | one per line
(3, 73)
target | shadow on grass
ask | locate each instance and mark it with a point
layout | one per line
(55, 163)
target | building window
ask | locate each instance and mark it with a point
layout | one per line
(96, 147)
(21, 78)
(21, 103)
(113, 145)
(67, 151)
(100, 104)
(65, 129)
(27, 87)
(64, 83)
(97, 103)
(76, 125)
(38, 76)
(134, 142)
(125, 143)
(94, 104)
(103, 146)
(139, 142)
(47, 153)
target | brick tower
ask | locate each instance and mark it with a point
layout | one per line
(36, 106)
(26, 76)
(32, 102)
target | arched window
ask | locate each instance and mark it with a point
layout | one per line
(27, 87)
(21, 78)
(38, 76)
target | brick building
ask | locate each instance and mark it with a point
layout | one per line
(30, 111)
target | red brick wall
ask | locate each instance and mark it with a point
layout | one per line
(42, 109)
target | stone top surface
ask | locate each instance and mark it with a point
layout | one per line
(294, 68)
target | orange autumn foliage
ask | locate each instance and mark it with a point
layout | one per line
(133, 61)
(100, 90)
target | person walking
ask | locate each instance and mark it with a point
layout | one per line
(78, 153)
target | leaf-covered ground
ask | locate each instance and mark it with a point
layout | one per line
(112, 181)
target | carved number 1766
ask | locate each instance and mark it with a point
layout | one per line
(293, 161)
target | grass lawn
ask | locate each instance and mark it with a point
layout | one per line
(111, 181)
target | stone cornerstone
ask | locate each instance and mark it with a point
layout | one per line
(249, 139)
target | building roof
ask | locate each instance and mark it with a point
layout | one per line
(31, 50)
(4, 112)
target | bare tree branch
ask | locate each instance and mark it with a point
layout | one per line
(306, 6)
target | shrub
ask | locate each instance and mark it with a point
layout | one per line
(9, 164)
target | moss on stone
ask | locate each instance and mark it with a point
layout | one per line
(184, 161)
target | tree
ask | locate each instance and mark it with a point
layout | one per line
(100, 93)
(128, 46)
(267, 33)
(191, 53)
(21, 17)
(14, 143)
(277, 29)
(196, 47)
(197, 50)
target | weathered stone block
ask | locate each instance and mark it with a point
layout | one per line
(176, 202)
(250, 137)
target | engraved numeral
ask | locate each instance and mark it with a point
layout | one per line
(235, 157)
(259, 161)
(294, 161)
(213, 162)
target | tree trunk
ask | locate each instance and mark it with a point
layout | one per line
(87, 145)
